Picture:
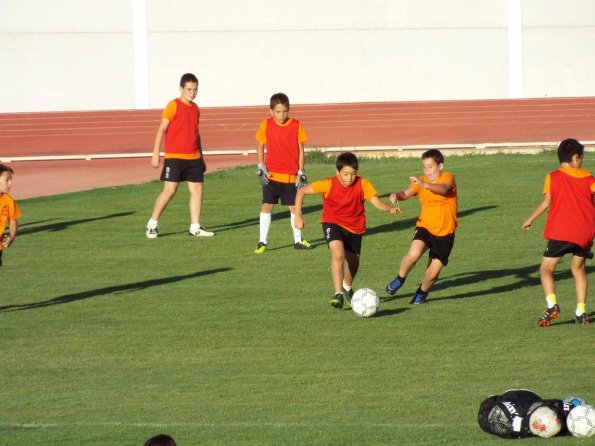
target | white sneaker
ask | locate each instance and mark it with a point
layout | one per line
(201, 232)
(152, 232)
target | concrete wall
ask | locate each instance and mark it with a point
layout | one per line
(80, 55)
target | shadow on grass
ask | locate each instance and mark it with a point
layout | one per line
(571, 321)
(32, 228)
(117, 289)
(521, 278)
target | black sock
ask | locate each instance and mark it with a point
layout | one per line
(419, 291)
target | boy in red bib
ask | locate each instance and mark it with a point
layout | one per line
(9, 211)
(343, 220)
(569, 193)
(183, 156)
(281, 172)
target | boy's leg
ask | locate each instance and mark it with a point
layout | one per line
(416, 250)
(195, 189)
(169, 190)
(337, 249)
(264, 225)
(298, 243)
(577, 266)
(431, 275)
(546, 275)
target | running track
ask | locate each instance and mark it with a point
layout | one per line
(228, 135)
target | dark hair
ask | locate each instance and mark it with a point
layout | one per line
(279, 98)
(188, 77)
(435, 154)
(568, 148)
(4, 168)
(160, 440)
(347, 159)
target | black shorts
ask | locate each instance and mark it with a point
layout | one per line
(177, 170)
(351, 242)
(557, 248)
(275, 190)
(440, 246)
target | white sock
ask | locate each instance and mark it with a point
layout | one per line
(297, 233)
(194, 227)
(265, 224)
(347, 287)
(152, 223)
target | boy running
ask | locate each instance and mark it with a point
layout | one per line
(183, 156)
(343, 220)
(569, 193)
(9, 211)
(283, 170)
(435, 227)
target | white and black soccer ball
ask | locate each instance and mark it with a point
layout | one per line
(544, 422)
(581, 421)
(365, 302)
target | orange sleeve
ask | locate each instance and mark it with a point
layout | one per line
(322, 186)
(302, 136)
(261, 133)
(546, 186)
(369, 190)
(169, 111)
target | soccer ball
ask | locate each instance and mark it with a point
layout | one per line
(545, 422)
(574, 400)
(581, 421)
(365, 302)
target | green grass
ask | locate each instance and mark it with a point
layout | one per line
(108, 338)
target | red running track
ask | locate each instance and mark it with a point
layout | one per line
(390, 124)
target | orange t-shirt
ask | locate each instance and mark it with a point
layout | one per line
(8, 211)
(438, 212)
(181, 136)
(282, 147)
(342, 205)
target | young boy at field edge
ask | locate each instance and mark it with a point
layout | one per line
(183, 156)
(343, 220)
(9, 211)
(435, 227)
(569, 193)
(282, 172)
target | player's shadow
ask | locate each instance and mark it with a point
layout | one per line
(391, 312)
(116, 289)
(521, 277)
(33, 227)
(571, 321)
(409, 223)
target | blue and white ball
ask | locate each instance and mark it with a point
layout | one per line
(581, 421)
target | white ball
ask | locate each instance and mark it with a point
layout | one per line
(574, 400)
(545, 422)
(365, 302)
(581, 421)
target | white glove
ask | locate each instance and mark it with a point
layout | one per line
(263, 174)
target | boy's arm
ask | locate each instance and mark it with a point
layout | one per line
(301, 179)
(13, 228)
(437, 188)
(262, 173)
(158, 140)
(299, 200)
(540, 209)
(379, 204)
(402, 195)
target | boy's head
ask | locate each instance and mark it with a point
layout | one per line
(432, 162)
(160, 440)
(188, 87)
(568, 148)
(5, 179)
(347, 165)
(280, 108)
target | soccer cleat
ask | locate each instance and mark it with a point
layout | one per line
(337, 300)
(260, 248)
(394, 286)
(548, 315)
(583, 319)
(302, 245)
(348, 294)
(419, 298)
(201, 232)
(152, 232)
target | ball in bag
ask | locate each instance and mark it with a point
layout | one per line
(365, 302)
(581, 421)
(545, 422)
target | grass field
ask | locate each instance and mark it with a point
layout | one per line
(108, 338)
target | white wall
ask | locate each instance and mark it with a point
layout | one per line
(79, 55)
